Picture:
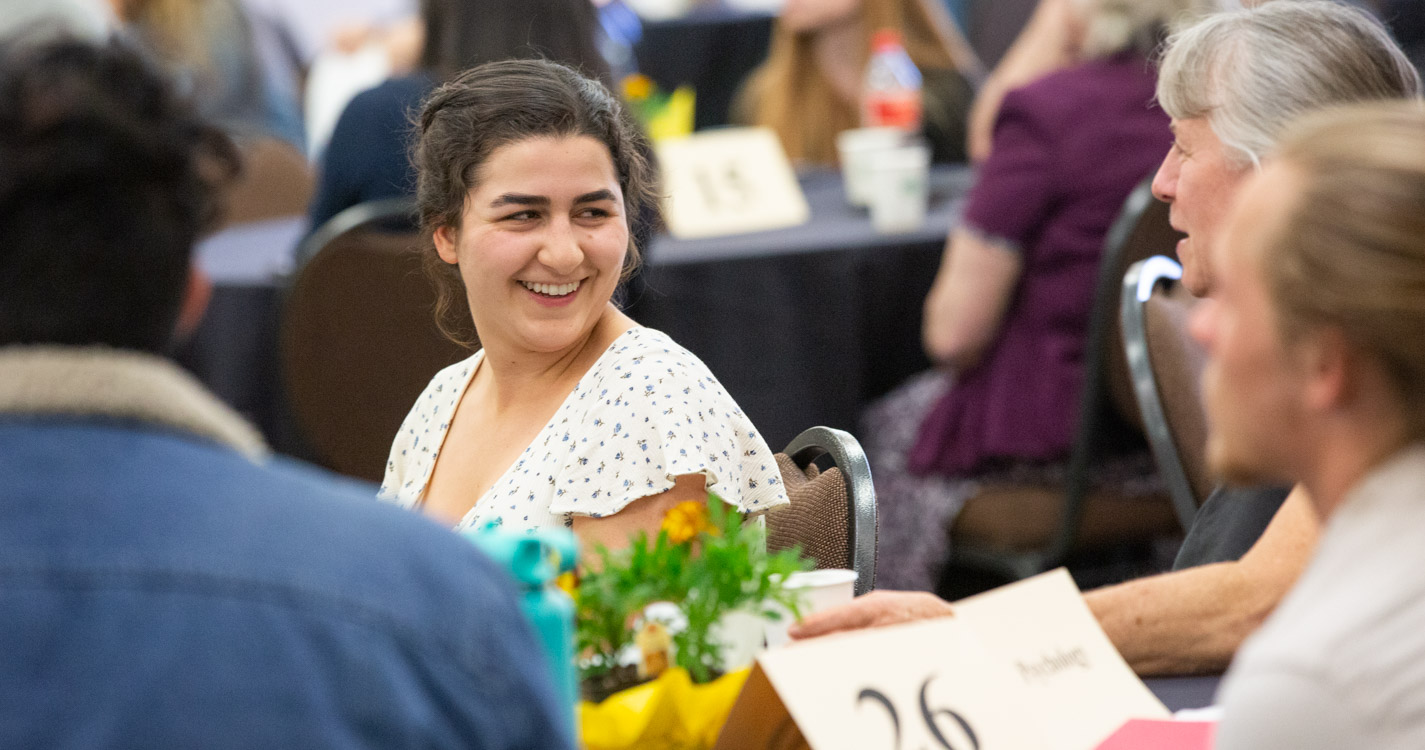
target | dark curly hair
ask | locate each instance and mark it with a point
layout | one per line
(106, 180)
(464, 121)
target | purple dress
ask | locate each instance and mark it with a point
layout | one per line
(1067, 151)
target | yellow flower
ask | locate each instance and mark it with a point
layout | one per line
(568, 583)
(686, 520)
(637, 87)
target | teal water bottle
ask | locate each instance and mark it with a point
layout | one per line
(535, 559)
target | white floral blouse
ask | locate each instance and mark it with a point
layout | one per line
(646, 412)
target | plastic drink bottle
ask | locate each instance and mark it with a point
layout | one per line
(891, 95)
(534, 560)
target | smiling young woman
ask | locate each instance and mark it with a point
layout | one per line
(570, 414)
(540, 246)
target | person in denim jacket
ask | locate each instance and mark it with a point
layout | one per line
(164, 580)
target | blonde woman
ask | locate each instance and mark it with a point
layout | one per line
(810, 87)
(207, 45)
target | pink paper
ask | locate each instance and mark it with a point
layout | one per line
(1154, 734)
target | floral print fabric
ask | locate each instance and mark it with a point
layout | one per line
(646, 412)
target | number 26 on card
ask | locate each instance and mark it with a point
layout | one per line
(945, 726)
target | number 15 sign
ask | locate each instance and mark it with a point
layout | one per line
(1023, 668)
(729, 181)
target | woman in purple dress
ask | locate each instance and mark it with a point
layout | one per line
(1006, 319)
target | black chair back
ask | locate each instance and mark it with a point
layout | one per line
(1105, 406)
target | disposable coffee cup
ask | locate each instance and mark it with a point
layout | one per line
(740, 634)
(900, 189)
(858, 149)
(820, 589)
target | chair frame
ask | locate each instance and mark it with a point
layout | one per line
(355, 217)
(1093, 399)
(1139, 284)
(1094, 403)
(846, 453)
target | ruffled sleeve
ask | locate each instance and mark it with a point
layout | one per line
(649, 414)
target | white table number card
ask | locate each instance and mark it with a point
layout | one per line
(1024, 667)
(1075, 684)
(729, 181)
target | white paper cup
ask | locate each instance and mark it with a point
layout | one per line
(900, 189)
(741, 634)
(821, 589)
(858, 149)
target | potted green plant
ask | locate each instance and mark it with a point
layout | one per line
(707, 562)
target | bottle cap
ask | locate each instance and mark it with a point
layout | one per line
(886, 39)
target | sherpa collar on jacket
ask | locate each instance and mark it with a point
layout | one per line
(103, 382)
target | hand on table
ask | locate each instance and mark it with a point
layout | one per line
(873, 610)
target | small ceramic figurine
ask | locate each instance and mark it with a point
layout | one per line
(653, 642)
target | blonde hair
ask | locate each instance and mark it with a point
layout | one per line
(1352, 253)
(1116, 26)
(173, 28)
(790, 94)
(1252, 71)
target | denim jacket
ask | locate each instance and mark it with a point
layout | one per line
(166, 584)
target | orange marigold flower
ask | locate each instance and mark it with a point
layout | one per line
(637, 87)
(686, 520)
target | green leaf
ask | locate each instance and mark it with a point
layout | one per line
(720, 571)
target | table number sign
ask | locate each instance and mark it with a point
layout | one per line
(1065, 667)
(1025, 667)
(729, 181)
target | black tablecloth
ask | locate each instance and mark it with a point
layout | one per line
(234, 353)
(234, 350)
(1178, 693)
(804, 326)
